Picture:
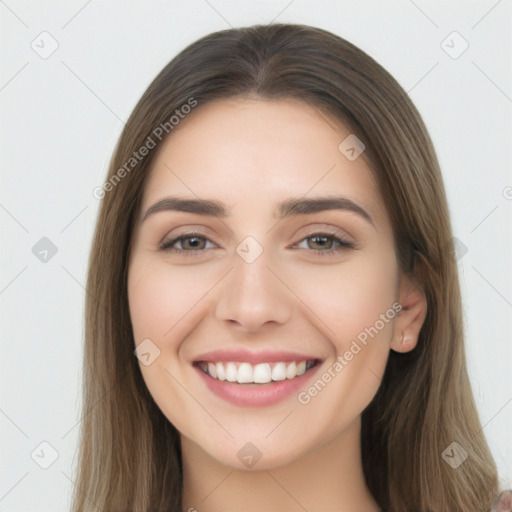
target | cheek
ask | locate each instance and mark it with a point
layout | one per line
(355, 306)
(351, 298)
(162, 298)
(164, 304)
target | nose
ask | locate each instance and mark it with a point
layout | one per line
(252, 297)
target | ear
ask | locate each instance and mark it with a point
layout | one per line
(411, 317)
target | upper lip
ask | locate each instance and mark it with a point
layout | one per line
(252, 357)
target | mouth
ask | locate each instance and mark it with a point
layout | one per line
(255, 380)
(261, 373)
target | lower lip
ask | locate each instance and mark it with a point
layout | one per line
(256, 395)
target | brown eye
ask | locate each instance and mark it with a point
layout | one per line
(186, 243)
(193, 243)
(321, 242)
(324, 244)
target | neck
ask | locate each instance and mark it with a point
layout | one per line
(330, 477)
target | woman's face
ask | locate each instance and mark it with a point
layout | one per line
(285, 282)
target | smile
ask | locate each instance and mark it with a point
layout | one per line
(261, 373)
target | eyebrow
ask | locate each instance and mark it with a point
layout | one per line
(303, 206)
(178, 204)
(288, 208)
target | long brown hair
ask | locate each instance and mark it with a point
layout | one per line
(129, 456)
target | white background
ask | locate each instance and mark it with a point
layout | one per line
(62, 115)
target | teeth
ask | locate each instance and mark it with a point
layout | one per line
(262, 373)
(278, 372)
(219, 369)
(244, 375)
(291, 371)
(231, 372)
(212, 370)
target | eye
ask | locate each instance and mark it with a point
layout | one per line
(190, 242)
(324, 243)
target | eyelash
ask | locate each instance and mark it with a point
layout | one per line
(342, 244)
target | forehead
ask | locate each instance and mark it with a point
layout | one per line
(253, 152)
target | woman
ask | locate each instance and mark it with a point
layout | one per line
(274, 242)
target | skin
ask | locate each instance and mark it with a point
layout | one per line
(252, 154)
